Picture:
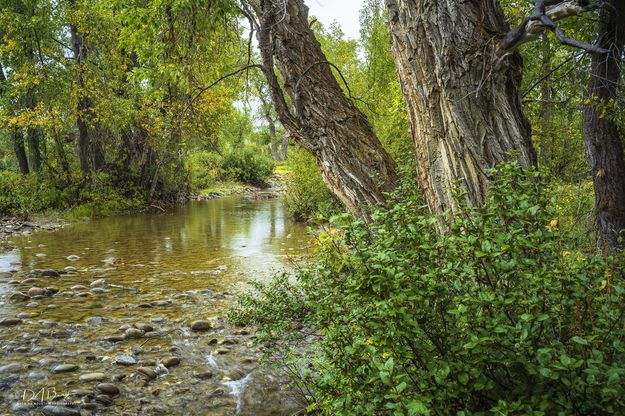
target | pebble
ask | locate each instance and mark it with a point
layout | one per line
(10, 321)
(104, 399)
(115, 338)
(171, 362)
(29, 281)
(76, 288)
(147, 372)
(47, 272)
(144, 327)
(60, 411)
(98, 283)
(32, 304)
(70, 269)
(12, 368)
(160, 303)
(108, 388)
(36, 291)
(92, 377)
(204, 375)
(133, 333)
(97, 290)
(52, 290)
(200, 325)
(64, 368)
(72, 257)
(37, 376)
(5, 275)
(19, 296)
(125, 360)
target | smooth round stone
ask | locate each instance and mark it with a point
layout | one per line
(147, 373)
(92, 377)
(12, 368)
(72, 257)
(37, 376)
(104, 399)
(200, 325)
(222, 351)
(98, 283)
(6, 275)
(48, 273)
(36, 291)
(133, 333)
(25, 315)
(10, 321)
(203, 375)
(97, 290)
(125, 360)
(152, 334)
(171, 361)
(64, 368)
(77, 288)
(19, 297)
(52, 290)
(108, 388)
(115, 338)
(160, 303)
(32, 305)
(144, 327)
(29, 281)
(60, 411)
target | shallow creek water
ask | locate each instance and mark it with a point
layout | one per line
(121, 308)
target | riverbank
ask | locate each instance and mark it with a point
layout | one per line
(125, 314)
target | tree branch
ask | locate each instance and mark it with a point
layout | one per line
(544, 18)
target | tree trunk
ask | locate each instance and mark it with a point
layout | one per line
(20, 152)
(319, 117)
(90, 149)
(463, 102)
(284, 147)
(545, 107)
(601, 134)
(34, 135)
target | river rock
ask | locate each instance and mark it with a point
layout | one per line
(124, 359)
(60, 411)
(201, 325)
(5, 275)
(47, 272)
(12, 368)
(171, 362)
(19, 297)
(92, 377)
(133, 333)
(97, 290)
(98, 283)
(37, 376)
(203, 375)
(36, 291)
(10, 321)
(144, 327)
(115, 338)
(70, 269)
(108, 388)
(52, 290)
(29, 281)
(47, 361)
(32, 305)
(160, 303)
(147, 372)
(64, 368)
(72, 257)
(77, 288)
(104, 399)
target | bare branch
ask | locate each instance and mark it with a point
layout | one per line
(544, 18)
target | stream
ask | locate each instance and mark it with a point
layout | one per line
(126, 315)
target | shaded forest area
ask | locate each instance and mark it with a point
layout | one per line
(464, 161)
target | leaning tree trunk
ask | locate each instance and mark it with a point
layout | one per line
(319, 116)
(463, 102)
(20, 152)
(601, 134)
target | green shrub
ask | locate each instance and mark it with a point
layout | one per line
(495, 317)
(248, 164)
(307, 196)
(204, 169)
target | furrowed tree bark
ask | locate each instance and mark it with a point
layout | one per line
(316, 112)
(601, 134)
(463, 101)
(34, 135)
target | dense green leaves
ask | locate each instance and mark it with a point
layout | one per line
(497, 316)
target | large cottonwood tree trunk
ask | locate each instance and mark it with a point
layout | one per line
(313, 108)
(17, 137)
(90, 149)
(601, 134)
(463, 101)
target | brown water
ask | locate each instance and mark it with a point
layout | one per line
(161, 270)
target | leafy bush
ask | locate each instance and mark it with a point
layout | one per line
(248, 164)
(204, 169)
(307, 196)
(496, 316)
